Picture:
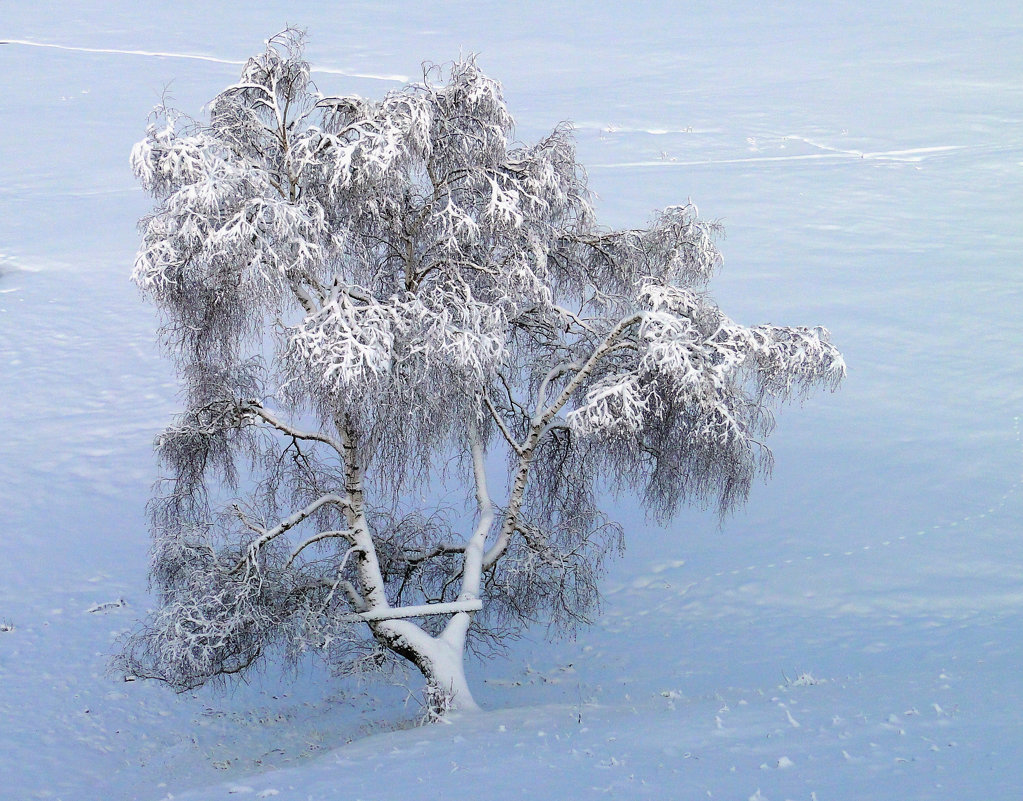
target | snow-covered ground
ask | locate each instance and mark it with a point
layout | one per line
(854, 633)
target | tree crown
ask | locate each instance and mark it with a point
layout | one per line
(408, 277)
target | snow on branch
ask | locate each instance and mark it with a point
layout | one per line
(349, 349)
(423, 610)
(612, 404)
(268, 535)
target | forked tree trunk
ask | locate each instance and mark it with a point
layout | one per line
(440, 659)
(447, 690)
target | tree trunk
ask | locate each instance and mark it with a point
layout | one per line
(447, 690)
(441, 660)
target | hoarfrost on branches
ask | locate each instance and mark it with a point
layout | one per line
(355, 292)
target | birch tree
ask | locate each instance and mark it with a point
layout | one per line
(372, 304)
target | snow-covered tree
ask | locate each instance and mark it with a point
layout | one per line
(375, 308)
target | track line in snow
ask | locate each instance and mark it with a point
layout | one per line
(193, 57)
(907, 156)
(604, 128)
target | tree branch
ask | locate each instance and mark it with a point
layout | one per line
(599, 352)
(575, 318)
(538, 427)
(501, 426)
(555, 373)
(323, 535)
(257, 409)
(289, 523)
(437, 550)
(422, 610)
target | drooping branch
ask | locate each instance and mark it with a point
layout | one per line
(495, 415)
(609, 342)
(538, 427)
(555, 373)
(256, 408)
(315, 538)
(268, 535)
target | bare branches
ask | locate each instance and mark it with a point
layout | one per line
(414, 558)
(267, 536)
(256, 408)
(323, 535)
(495, 415)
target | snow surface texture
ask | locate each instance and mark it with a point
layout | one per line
(854, 633)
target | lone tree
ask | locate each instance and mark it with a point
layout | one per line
(375, 307)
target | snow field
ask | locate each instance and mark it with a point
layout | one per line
(867, 167)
